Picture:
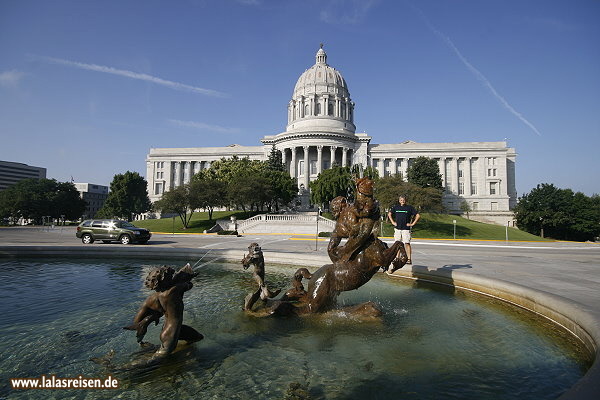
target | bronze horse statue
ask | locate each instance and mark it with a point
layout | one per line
(354, 263)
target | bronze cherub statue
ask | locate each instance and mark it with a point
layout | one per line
(167, 301)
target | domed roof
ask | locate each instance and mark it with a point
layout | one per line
(321, 78)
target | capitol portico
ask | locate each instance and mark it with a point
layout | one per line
(320, 132)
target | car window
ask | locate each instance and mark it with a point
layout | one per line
(86, 223)
(127, 225)
(97, 224)
(108, 224)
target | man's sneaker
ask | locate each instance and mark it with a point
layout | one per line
(409, 262)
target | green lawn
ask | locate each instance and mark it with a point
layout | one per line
(198, 224)
(440, 226)
(435, 226)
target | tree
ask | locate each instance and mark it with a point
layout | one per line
(180, 200)
(209, 192)
(369, 172)
(561, 213)
(389, 188)
(333, 182)
(243, 189)
(424, 172)
(275, 160)
(283, 187)
(128, 195)
(36, 198)
(465, 207)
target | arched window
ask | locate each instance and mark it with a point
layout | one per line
(330, 108)
(306, 110)
(318, 109)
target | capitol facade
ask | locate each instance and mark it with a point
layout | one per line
(321, 132)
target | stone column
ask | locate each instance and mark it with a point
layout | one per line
(467, 178)
(306, 167)
(442, 168)
(381, 167)
(344, 156)
(283, 156)
(319, 159)
(293, 162)
(405, 169)
(177, 174)
(332, 150)
(190, 171)
(455, 175)
(168, 176)
(395, 168)
(481, 182)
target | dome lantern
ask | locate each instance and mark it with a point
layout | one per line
(321, 56)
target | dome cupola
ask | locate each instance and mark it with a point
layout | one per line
(321, 99)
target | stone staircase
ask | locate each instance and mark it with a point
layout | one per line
(300, 223)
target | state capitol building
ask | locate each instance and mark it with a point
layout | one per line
(321, 132)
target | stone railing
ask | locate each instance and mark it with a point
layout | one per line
(286, 223)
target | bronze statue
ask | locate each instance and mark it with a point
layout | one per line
(256, 258)
(167, 301)
(354, 263)
(297, 292)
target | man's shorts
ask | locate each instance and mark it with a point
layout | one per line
(402, 235)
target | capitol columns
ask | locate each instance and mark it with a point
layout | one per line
(344, 156)
(293, 162)
(177, 174)
(283, 156)
(467, 175)
(395, 169)
(190, 171)
(306, 169)
(332, 150)
(319, 159)
(454, 170)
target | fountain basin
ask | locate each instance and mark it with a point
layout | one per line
(375, 373)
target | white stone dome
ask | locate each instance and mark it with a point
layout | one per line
(321, 78)
(321, 100)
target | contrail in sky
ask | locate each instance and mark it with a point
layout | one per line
(134, 75)
(480, 77)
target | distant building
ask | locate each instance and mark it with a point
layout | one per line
(321, 133)
(13, 172)
(94, 196)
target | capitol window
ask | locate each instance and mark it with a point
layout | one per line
(330, 108)
(306, 110)
(318, 109)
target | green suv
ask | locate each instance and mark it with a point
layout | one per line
(109, 230)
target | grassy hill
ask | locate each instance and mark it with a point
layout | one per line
(440, 226)
(434, 226)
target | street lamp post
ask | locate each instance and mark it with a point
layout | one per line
(454, 223)
(542, 227)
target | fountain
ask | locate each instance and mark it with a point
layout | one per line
(387, 339)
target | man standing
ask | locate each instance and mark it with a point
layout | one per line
(403, 217)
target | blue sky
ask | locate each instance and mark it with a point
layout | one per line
(87, 88)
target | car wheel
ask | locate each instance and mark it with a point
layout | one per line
(125, 239)
(87, 238)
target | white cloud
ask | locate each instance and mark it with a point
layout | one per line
(134, 75)
(346, 11)
(203, 126)
(249, 2)
(480, 77)
(11, 78)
